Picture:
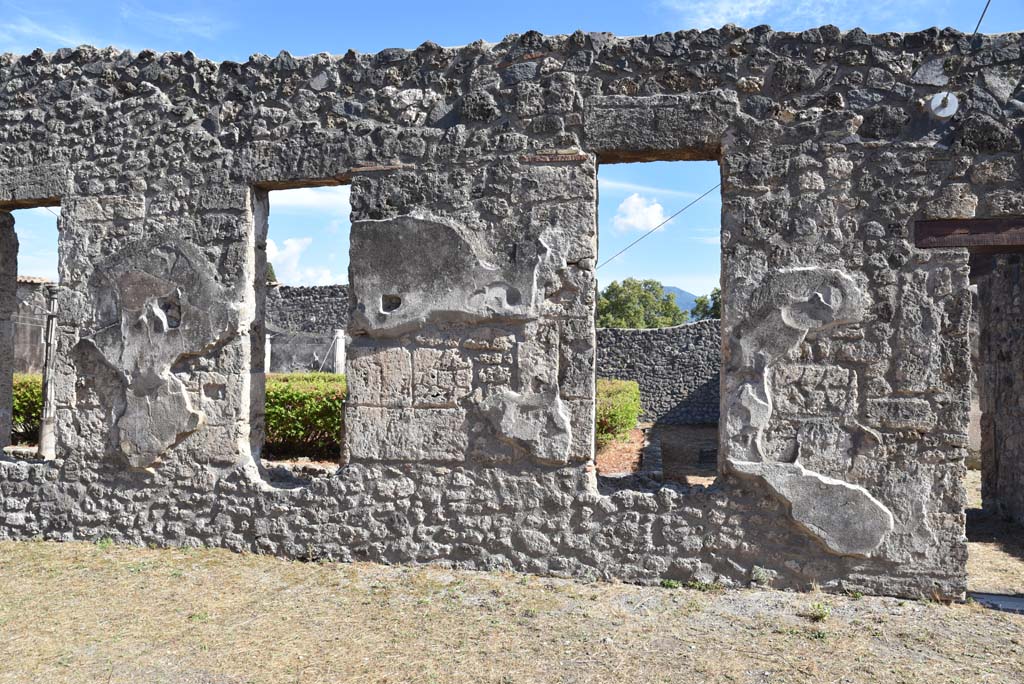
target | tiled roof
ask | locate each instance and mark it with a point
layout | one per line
(35, 280)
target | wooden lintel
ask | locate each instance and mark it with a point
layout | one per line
(555, 158)
(988, 235)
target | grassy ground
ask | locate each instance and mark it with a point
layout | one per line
(100, 613)
(80, 612)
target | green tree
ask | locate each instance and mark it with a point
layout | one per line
(271, 276)
(707, 306)
(638, 304)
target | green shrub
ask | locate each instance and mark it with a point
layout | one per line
(305, 414)
(27, 408)
(618, 409)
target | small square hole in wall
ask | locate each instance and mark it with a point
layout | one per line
(28, 301)
(304, 315)
(657, 314)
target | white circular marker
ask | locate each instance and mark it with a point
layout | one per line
(943, 105)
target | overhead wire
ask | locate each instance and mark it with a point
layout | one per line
(634, 242)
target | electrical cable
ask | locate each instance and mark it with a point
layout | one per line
(623, 250)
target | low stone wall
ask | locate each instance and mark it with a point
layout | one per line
(677, 369)
(301, 322)
(315, 309)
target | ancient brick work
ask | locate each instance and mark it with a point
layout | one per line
(845, 366)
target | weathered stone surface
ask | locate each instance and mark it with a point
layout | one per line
(684, 126)
(441, 378)
(8, 310)
(803, 390)
(408, 272)
(676, 368)
(901, 413)
(379, 376)
(157, 306)
(474, 192)
(380, 434)
(845, 518)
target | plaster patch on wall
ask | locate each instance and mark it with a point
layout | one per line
(157, 304)
(844, 517)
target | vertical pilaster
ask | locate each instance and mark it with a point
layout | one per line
(8, 307)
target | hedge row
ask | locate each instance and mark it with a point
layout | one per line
(305, 412)
(618, 409)
(27, 408)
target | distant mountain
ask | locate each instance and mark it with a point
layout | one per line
(684, 299)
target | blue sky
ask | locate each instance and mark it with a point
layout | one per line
(309, 228)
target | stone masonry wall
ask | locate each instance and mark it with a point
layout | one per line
(301, 322)
(317, 309)
(1001, 385)
(30, 327)
(845, 361)
(676, 368)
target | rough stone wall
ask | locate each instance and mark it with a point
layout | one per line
(318, 309)
(845, 358)
(676, 368)
(30, 328)
(8, 313)
(301, 322)
(1001, 385)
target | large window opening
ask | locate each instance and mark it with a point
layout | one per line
(658, 317)
(28, 279)
(301, 337)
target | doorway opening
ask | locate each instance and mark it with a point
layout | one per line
(658, 315)
(994, 477)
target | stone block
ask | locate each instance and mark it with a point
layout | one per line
(379, 376)
(375, 433)
(900, 413)
(687, 126)
(807, 390)
(441, 378)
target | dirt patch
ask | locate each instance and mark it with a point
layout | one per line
(83, 613)
(623, 456)
(298, 467)
(995, 547)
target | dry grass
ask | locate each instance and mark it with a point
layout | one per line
(80, 612)
(995, 561)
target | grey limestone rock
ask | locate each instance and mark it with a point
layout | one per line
(844, 356)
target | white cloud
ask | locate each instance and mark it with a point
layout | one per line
(611, 184)
(716, 13)
(334, 199)
(190, 23)
(288, 267)
(636, 212)
(21, 35)
(800, 14)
